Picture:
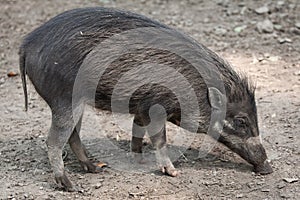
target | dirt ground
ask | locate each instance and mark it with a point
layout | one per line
(267, 51)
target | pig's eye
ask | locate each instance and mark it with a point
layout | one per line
(240, 122)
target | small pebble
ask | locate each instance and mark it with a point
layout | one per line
(280, 185)
(243, 10)
(265, 26)
(267, 55)
(297, 73)
(104, 1)
(265, 190)
(224, 3)
(98, 185)
(239, 29)
(284, 195)
(295, 30)
(273, 58)
(2, 80)
(262, 10)
(278, 27)
(291, 180)
(284, 40)
(280, 3)
(220, 30)
(206, 20)
(80, 177)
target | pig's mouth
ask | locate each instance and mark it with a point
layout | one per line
(256, 155)
(263, 169)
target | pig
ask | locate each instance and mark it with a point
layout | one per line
(53, 55)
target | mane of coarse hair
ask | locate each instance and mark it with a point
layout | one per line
(243, 90)
(238, 86)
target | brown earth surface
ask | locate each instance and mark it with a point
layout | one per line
(232, 28)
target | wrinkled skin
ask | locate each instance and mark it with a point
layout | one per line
(52, 55)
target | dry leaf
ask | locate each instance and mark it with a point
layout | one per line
(12, 74)
(101, 164)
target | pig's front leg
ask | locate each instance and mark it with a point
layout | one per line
(159, 142)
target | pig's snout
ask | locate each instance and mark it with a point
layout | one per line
(263, 169)
(258, 157)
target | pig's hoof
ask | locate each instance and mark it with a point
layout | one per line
(138, 158)
(65, 183)
(170, 170)
(263, 169)
(88, 166)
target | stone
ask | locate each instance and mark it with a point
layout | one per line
(280, 185)
(239, 29)
(284, 195)
(98, 185)
(265, 190)
(278, 27)
(280, 3)
(220, 31)
(291, 180)
(262, 10)
(265, 26)
(224, 3)
(295, 30)
(284, 40)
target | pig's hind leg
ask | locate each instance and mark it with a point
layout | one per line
(61, 129)
(138, 133)
(80, 151)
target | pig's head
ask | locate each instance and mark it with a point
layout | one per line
(241, 135)
(240, 130)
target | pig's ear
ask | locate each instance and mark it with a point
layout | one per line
(217, 100)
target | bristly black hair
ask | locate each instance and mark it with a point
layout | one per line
(239, 87)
